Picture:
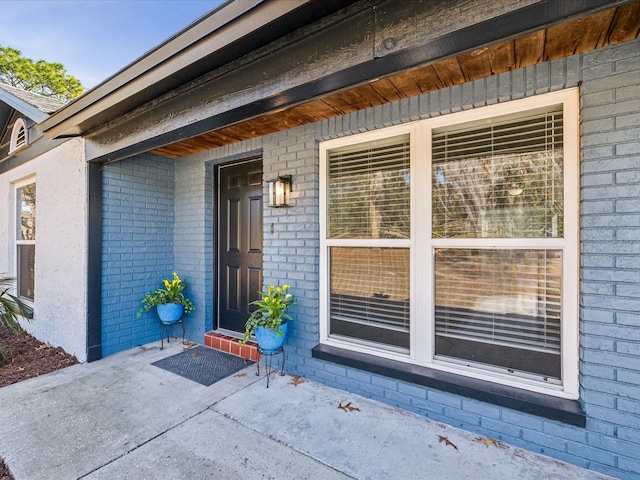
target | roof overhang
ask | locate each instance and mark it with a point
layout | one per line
(21, 106)
(139, 121)
(228, 32)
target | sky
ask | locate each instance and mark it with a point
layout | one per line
(93, 39)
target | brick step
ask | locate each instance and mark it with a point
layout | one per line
(229, 344)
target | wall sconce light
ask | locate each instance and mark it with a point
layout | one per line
(279, 190)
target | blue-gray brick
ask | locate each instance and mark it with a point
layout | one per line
(164, 212)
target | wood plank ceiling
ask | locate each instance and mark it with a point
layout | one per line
(584, 34)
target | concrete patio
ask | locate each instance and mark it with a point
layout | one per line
(122, 418)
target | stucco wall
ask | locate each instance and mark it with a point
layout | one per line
(610, 246)
(61, 244)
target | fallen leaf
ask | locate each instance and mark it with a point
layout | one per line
(241, 374)
(189, 343)
(487, 441)
(296, 380)
(194, 354)
(347, 407)
(142, 347)
(446, 441)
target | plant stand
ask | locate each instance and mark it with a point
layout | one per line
(268, 361)
(167, 329)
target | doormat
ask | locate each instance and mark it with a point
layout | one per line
(203, 365)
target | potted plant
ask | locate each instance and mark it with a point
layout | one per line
(269, 321)
(11, 307)
(169, 301)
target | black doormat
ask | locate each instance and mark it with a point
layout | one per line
(203, 365)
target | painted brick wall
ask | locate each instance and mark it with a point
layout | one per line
(610, 243)
(138, 246)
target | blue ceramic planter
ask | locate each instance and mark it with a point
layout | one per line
(268, 340)
(170, 313)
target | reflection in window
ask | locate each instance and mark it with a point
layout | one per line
(369, 297)
(368, 189)
(504, 180)
(26, 240)
(500, 307)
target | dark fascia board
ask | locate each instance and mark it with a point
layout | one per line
(518, 22)
(23, 107)
(35, 148)
(228, 32)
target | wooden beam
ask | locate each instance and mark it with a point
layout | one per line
(343, 55)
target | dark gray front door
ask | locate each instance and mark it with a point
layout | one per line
(239, 242)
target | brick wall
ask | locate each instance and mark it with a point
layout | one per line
(610, 261)
(137, 251)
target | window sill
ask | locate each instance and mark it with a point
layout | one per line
(554, 408)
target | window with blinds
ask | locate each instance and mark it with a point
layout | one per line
(500, 307)
(369, 297)
(489, 244)
(368, 189)
(368, 200)
(502, 180)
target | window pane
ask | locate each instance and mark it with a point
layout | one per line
(368, 190)
(502, 180)
(26, 270)
(370, 294)
(500, 307)
(27, 212)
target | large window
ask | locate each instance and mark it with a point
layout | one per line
(452, 243)
(26, 239)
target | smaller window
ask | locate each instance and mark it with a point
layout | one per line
(19, 135)
(26, 239)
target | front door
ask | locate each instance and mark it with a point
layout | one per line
(239, 242)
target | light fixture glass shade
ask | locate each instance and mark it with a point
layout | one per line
(279, 190)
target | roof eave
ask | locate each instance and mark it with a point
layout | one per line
(23, 107)
(211, 33)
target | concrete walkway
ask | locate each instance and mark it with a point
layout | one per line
(122, 418)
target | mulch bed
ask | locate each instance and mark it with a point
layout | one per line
(27, 358)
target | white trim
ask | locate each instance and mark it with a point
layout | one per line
(14, 231)
(326, 243)
(18, 126)
(422, 245)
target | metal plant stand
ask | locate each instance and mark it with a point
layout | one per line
(268, 361)
(167, 329)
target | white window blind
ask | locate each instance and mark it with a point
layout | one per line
(368, 189)
(489, 243)
(490, 302)
(502, 180)
(369, 297)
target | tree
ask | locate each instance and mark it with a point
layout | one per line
(46, 78)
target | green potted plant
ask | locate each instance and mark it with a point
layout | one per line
(269, 321)
(169, 301)
(11, 307)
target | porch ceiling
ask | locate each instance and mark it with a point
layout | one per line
(608, 27)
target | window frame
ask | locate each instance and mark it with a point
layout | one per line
(326, 243)
(422, 259)
(18, 242)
